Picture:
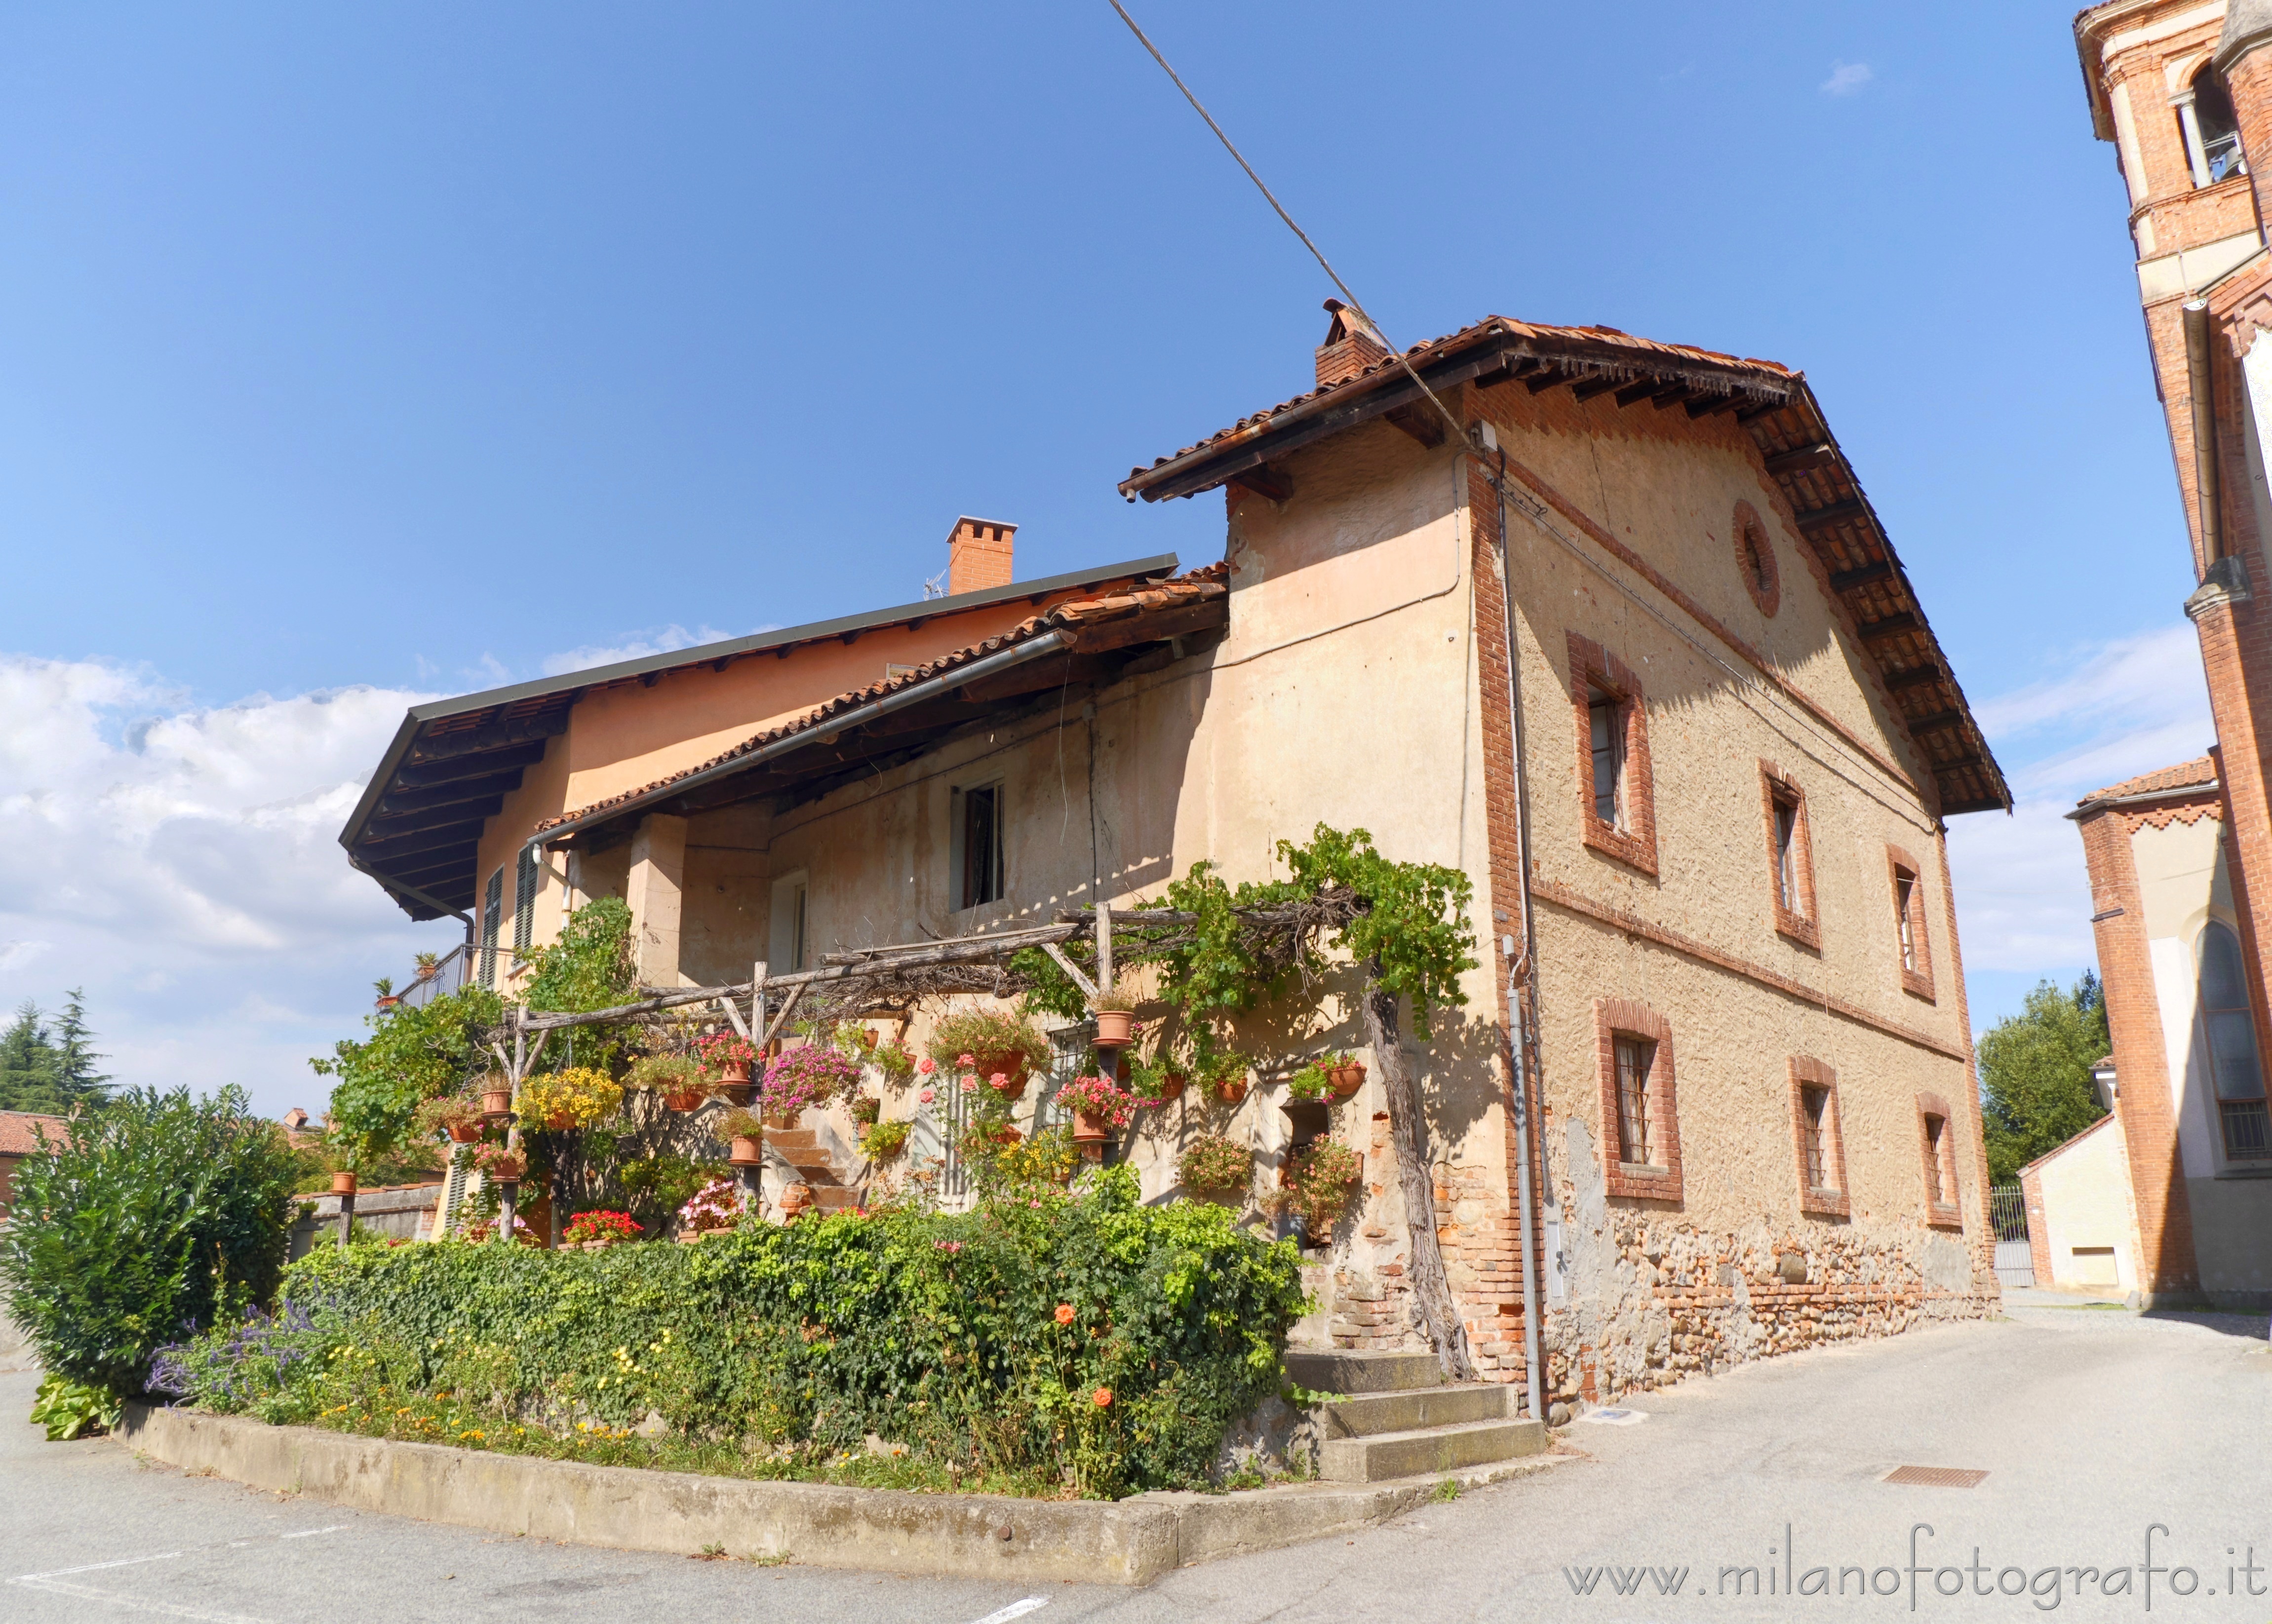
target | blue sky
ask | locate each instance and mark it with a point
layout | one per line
(352, 354)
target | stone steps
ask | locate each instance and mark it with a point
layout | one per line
(1426, 1451)
(1368, 1415)
(1339, 1370)
(1400, 1419)
(816, 1168)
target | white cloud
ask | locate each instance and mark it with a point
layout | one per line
(2115, 710)
(636, 646)
(182, 863)
(1846, 78)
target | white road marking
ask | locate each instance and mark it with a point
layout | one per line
(310, 1533)
(135, 1604)
(123, 1561)
(1015, 1609)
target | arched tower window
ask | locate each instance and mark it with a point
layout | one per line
(2212, 133)
(2234, 1063)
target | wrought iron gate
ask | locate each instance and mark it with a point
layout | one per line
(2015, 1258)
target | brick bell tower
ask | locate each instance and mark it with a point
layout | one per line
(2184, 93)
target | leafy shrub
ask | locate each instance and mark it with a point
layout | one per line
(412, 1055)
(601, 1225)
(72, 1409)
(666, 1074)
(942, 1332)
(657, 1186)
(158, 1217)
(1211, 1162)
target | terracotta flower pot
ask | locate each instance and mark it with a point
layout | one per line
(1346, 1079)
(343, 1184)
(868, 1037)
(389, 1001)
(560, 1122)
(1231, 1089)
(733, 1071)
(866, 1111)
(795, 1199)
(1011, 1063)
(505, 1170)
(683, 1099)
(465, 1133)
(1115, 1028)
(1088, 1129)
(1171, 1087)
(781, 1119)
(1005, 1135)
(497, 1104)
(747, 1153)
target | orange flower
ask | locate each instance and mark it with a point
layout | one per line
(1065, 1313)
(1104, 1397)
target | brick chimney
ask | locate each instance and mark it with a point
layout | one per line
(1351, 346)
(978, 554)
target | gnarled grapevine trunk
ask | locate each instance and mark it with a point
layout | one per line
(1407, 1128)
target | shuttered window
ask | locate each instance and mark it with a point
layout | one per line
(527, 880)
(492, 912)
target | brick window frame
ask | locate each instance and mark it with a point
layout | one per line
(1593, 667)
(1834, 1200)
(1755, 559)
(1946, 1213)
(1899, 864)
(1625, 1018)
(1804, 924)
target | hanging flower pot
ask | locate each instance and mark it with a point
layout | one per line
(1005, 1135)
(389, 1001)
(497, 1104)
(465, 1133)
(343, 1184)
(1171, 1087)
(1116, 1029)
(866, 1109)
(683, 1099)
(747, 1153)
(505, 1170)
(1088, 1129)
(867, 1037)
(1346, 1078)
(560, 1122)
(733, 1072)
(1231, 1089)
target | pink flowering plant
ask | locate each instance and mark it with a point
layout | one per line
(1100, 1098)
(720, 1050)
(810, 1076)
(718, 1205)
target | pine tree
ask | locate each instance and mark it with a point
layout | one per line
(2036, 1086)
(28, 1063)
(75, 1057)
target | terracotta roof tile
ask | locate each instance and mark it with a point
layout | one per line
(1193, 587)
(19, 1131)
(1642, 351)
(2199, 773)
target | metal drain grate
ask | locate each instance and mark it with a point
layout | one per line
(1936, 1477)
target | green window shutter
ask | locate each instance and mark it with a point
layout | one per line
(492, 909)
(527, 879)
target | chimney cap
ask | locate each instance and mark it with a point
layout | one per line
(973, 521)
(1348, 323)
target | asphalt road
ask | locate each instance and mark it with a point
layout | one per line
(2091, 1425)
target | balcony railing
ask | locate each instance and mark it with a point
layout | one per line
(452, 971)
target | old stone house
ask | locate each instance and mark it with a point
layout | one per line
(1726, 722)
(2181, 859)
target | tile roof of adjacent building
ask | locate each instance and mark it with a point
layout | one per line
(2197, 774)
(21, 1131)
(1195, 588)
(509, 727)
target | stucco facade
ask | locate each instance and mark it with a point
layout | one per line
(1764, 904)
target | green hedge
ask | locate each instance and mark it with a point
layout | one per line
(155, 1218)
(940, 1332)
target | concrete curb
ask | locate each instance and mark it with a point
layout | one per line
(1128, 1542)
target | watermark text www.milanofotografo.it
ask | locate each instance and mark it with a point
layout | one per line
(2152, 1574)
